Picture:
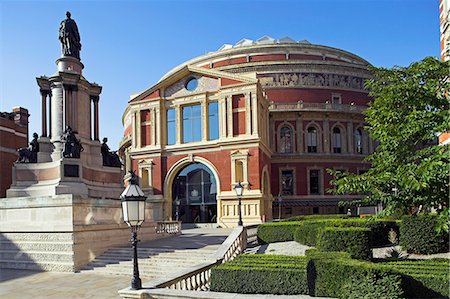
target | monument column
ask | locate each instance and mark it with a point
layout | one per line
(44, 112)
(50, 114)
(96, 99)
(57, 119)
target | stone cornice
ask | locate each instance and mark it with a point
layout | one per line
(308, 49)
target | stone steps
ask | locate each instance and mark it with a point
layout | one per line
(36, 246)
(37, 251)
(38, 266)
(46, 256)
(153, 262)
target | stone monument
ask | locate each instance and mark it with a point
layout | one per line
(63, 207)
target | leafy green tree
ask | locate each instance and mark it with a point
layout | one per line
(408, 169)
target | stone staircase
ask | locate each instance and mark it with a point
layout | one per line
(37, 251)
(159, 258)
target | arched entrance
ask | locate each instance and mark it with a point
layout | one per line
(194, 192)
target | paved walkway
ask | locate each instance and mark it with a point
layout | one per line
(28, 284)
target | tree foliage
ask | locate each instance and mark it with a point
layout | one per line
(408, 168)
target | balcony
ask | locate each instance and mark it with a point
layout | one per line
(301, 106)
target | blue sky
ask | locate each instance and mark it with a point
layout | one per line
(128, 45)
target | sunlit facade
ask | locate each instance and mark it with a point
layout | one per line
(271, 114)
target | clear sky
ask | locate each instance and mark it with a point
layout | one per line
(128, 45)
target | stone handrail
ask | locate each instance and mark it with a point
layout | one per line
(196, 278)
(301, 106)
(168, 227)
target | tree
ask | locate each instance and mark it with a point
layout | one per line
(408, 168)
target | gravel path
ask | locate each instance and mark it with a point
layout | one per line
(282, 248)
(294, 248)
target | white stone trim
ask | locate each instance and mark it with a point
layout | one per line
(170, 176)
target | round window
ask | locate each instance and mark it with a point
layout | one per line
(191, 84)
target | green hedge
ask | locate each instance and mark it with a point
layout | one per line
(418, 235)
(354, 240)
(347, 278)
(272, 232)
(317, 217)
(423, 278)
(261, 274)
(332, 274)
(308, 230)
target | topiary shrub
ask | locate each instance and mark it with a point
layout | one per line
(354, 240)
(418, 235)
(276, 232)
(261, 274)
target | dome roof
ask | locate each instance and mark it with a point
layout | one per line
(265, 40)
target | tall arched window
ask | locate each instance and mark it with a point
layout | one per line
(337, 140)
(194, 192)
(286, 140)
(358, 141)
(312, 140)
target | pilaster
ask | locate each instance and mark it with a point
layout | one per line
(230, 116)
(350, 134)
(248, 118)
(255, 112)
(178, 119)
(326, 135)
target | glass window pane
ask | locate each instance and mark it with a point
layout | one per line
(286, 140)
(213, 119)
(314, 181)
(171, 127)
(287, 182)
(192, 123)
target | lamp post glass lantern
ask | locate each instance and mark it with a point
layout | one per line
(239, 191)
(133, 210)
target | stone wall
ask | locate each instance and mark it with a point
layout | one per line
(63, 233)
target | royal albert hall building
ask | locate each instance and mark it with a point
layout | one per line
(273, 114)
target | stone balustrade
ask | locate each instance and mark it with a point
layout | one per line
(196, 278)
(301, 106)
(168, 227)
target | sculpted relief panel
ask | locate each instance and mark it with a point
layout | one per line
(203, 84)
(311, 80)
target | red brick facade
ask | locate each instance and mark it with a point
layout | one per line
(298, 114)
(13, 135)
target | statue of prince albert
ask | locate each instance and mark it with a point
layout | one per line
(69, 37)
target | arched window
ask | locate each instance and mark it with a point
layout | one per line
(337, 140)
(286, 140)
(312, 140)
(194, 192)
(358, 141)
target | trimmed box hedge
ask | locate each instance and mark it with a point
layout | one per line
(272, 232)
(308, 230)
(348, 278)
(423, 278)
(317, 217)
(261, 274)
(354, 240)
(418, 235)
(332, 274)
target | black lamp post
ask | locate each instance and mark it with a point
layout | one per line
(133, 210)
(239, 190)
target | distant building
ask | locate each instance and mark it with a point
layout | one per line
(273, 114)
(444, 17)
(13, 135)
